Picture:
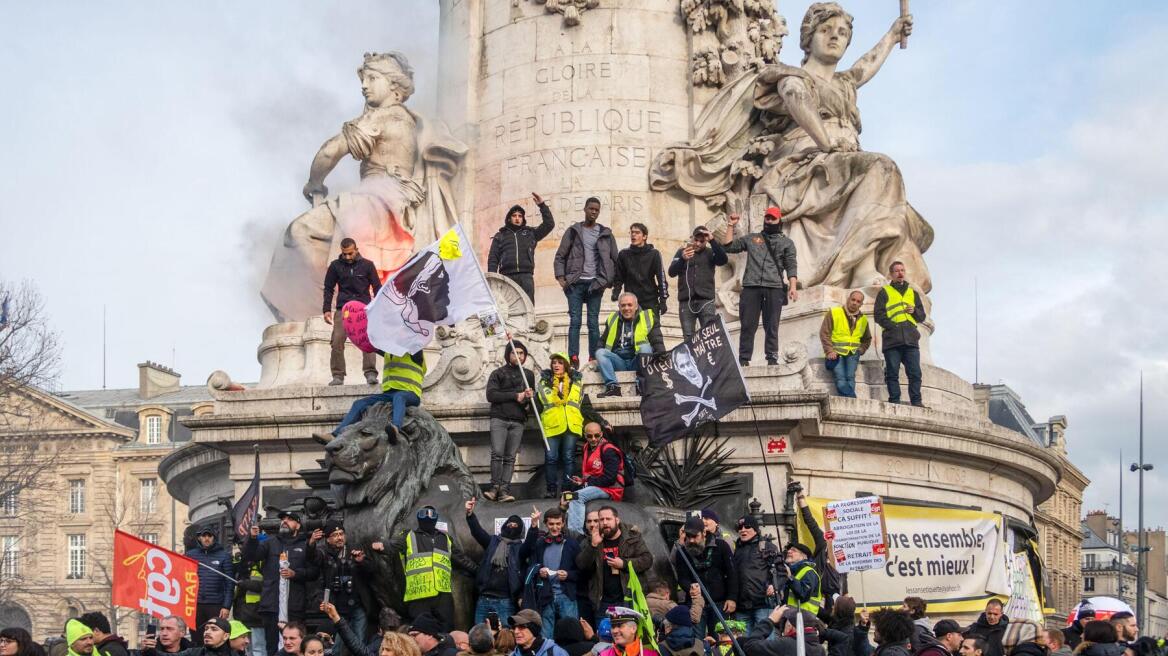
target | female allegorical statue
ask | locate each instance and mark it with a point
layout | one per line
(793, 134)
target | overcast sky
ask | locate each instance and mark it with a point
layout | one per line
(152, 153)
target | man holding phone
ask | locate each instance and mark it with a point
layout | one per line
(693, 266)
(609, 553)
(603, 469)
(555, 554)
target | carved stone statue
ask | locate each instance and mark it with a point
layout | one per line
(404, 198)
(792, 134)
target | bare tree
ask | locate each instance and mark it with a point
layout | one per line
(29, 357)
(125, 509)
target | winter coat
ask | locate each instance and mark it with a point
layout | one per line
(113, 645)
(903, 333)
(268, 552)
(1099, 649)
(1029, 648)
(639, 271)
(682, 641)
(569, 260)
(715, 567)
(1073, 635)
(829, 579)
(632, 550)
(532, 551)
(661, 605)
(992, 634)
(752, 572)
(547, 648)
(502, 386)
(767, 258)
(613, 650)
(445, 647)
(570, 636)
(935, 649)
(488, 542)
(894, 649)
(844, 638)
(213, 588)
(759, 643)
(922, 636)
(202, 650)
(513, 247)
(245, 612)
(695, 276)
(352, 641)
(352, 281)
(345, 577)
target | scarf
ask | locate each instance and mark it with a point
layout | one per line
(561, 383)
(506, 539)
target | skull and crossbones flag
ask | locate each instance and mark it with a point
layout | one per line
(695, 383)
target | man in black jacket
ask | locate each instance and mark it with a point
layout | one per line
(713, 560)
(509, 391)
(500, 574)
(554, 584)
(584, 266)
(284, 557)
(343, 573)
(105, 641)
(215, 589)
(513, 247)
(693, 266)
(991, 627)
(639, 271)
(751, 567)
(898, 310)
(353, 277)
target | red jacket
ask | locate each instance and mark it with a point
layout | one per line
(604, 467)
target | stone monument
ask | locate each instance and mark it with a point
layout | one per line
(675, 113)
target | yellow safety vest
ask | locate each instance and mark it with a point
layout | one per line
(897, 303)
(561, 414)
(402, 373)
(846, 341)
(255, 575)
(816, 601)
(643, 323)
(427, 572)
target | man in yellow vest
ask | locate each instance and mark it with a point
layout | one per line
(628, 332)
(428, 558)
(802, 588)
(401, 385)
(898, 311)
(845, 337)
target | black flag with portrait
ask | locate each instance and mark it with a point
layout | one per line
(695, 383)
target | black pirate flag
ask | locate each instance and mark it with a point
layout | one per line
(695, 383)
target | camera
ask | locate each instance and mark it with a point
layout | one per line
(794, 487)
(777, 569)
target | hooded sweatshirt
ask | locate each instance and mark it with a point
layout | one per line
(505, 383)
(639, 271)
(513, 247)
(75, 631)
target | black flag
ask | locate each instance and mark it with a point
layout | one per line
(245, 512)
(697, 382)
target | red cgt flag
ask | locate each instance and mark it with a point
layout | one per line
(153, 580)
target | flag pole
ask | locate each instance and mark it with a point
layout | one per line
(510, 340)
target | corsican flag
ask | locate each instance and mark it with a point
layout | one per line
(439, 286)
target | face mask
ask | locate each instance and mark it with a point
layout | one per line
(772, 228)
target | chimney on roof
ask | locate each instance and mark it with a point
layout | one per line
(1057, 433)
(155, 379)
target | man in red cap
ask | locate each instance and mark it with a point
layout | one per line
(769, 256)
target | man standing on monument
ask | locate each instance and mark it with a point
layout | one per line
(512, 251)
(845, 337)
(693, 266)
(639, 272)
(353, 277)
(584, 265)
(764, 293)
(897, 311)
(509, 391)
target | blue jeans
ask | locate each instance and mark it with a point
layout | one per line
(401, 400)
(504, 607)
(845, 374)
(357, 621)
(910, 356)
(559, 460)
(577, 508)
(559, 608)
(259, 645)
(752, 617)
(578, 295)
(609, 363)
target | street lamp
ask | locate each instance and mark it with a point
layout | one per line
(1141, 547)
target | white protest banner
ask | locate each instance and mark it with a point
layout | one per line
(951, 558)
(854, 530)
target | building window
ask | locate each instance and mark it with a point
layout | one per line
(1088, 584)
(148, 496)
(1091, 561)
(154, 429)
(152, 538)
(77, 496)
(10, 556)
(9, 503)
(77, 556)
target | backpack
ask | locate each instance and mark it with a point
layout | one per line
(630, 467)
